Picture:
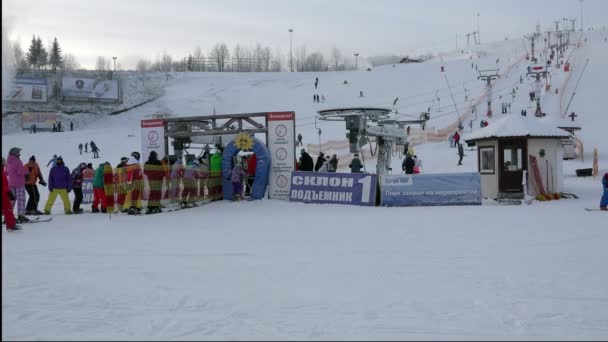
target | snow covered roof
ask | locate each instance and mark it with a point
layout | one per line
(517, 126)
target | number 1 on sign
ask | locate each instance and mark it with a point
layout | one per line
(365, 193)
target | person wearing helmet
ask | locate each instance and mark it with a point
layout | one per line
(77, 178)
(153, 170)
(16, 181)
(60, 183)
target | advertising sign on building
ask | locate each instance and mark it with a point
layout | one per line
(332, 187)
(42, 120)
(281, 144)
(430, 189)
(90, 88)
(28, 89)
(87, 191)
(152, 138)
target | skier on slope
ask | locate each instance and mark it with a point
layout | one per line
(7, 198)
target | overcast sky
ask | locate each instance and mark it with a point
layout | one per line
(131, 29)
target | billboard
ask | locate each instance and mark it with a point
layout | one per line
(281, 145)
(28, 89)
(430, 189)
(152, 138)
(90, 88)
(332, 187)
(42, 120)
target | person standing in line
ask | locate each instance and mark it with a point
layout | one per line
(33, 175)
(60, 183)
(80, 148)
(604, 200)
(153, 170)
(77, 177)
(408, 164)
(16, 181)
(52, 161)
(355, 165)
(306, 162)
(7, 199)
(236, 177)
(333, 163)
(320, 161)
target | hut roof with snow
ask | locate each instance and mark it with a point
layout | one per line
(517, 126)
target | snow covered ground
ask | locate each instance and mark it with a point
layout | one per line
(279, 270)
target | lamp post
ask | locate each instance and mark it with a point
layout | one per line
(478, 33)
(290, 52)
(581, 2)
(356, 54)
(114, 58)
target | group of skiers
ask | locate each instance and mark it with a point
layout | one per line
(94, 148)
(119, 189)
(325, 163)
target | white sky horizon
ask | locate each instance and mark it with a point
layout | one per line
(137, 29)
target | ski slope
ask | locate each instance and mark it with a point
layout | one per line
(278, 270)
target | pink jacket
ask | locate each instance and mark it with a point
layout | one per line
(15, 172)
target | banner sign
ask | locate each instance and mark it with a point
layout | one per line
(332, 187)
(281, 145)
(27, 89)
(152, 138)
(431, 189)
(87, 191)
(42, 120)
(90, 88)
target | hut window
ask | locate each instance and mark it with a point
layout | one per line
(512, 158)
(486, 160)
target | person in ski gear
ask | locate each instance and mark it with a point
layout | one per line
(355, 164)
(456, 139)
(177, 173)
(299, 140)
(60, 183)
(333, 163)
(326, 167)
(71, 126)
(417, 164)
(408, 164)
(120, 184)
(189, 180)
(7, 199)
(134, 182)
(153, 170)
(320, 161)
(33, 174)
(306, 162)
(407, 131)
(86, 147)
(604, 200)
(316, 82)
(95, 150)
(77, 177)
(80, 148)
(52, 161)
(460, 153)
(236, 177)
(215, 176)
(252, 163)
(16, 174)
(98, 190)
(451, 139)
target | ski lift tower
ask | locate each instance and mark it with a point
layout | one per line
(488, 76)
(363, 123)
(537, 72)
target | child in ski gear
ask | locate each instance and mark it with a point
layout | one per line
(604, 200)
(7, 198)
(33, 175)
(120, 184)
(236, 177)
(355, 164)
(177, 173)
(16, 181)
(60, 183)
(52, 161)
(333, 163)
(189, 179)
(252, 163)
(417, 165)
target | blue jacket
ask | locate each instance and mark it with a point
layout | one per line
(59, 178)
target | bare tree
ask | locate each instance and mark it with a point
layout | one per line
(266, 57)
(300, 58)
(220, 54)
(336, 57)
(101, 64)
(166, 62)
(198, 59)
(315, 62)
(69, 63)
(237, 57)
(257, 52)
(19, 58)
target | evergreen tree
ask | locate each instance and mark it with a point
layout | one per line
(43, 57)
(56, 60)
(32, 54)
(189, 63)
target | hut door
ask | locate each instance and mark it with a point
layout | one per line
(512, 162)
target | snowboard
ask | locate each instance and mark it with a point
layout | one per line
(595, 209)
